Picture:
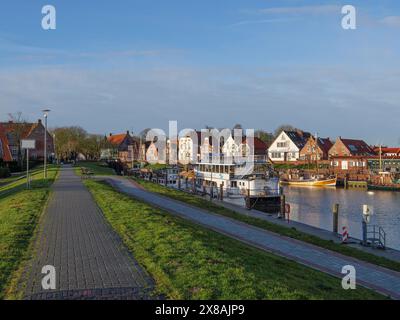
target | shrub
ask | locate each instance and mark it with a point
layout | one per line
(5, 173)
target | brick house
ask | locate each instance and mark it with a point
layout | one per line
(350, 148)
(11, 135)
(316, 149)
(122, 147)
(350, 157)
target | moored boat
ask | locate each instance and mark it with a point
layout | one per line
(311, 182)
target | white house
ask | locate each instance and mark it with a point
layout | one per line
(287, 146)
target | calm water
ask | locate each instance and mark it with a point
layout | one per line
(313, 206)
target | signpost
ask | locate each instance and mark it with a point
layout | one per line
(27, 145)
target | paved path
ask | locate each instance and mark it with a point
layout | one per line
(378, 278)
(90, 259)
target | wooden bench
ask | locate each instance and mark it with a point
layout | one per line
(86, 173)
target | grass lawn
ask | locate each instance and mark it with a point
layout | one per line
(190, 262)
(289, 232)
(20, 210)
(98, 168)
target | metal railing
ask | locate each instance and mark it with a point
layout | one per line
(377, 236)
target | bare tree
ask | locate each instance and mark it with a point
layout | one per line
(17, 133)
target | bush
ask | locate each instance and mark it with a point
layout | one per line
(5, 173)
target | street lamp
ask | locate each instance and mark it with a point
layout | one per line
(46, 114)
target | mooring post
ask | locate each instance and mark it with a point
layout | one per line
(364, 232)
(283, 206)
(335, 212)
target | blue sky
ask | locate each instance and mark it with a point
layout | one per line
(125, 64)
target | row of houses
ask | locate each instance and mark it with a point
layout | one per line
(11, 134)
(289, 146)
(343, 155)
(191, 148)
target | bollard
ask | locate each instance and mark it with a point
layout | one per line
(283, 206)
(221, 191)
(335, 212)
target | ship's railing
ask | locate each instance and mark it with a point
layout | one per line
(216, 159)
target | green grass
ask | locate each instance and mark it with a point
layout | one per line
(289, 232)
(190, 262)
(20, 210)
(98, 168)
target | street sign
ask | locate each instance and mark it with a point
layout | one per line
(28, 144)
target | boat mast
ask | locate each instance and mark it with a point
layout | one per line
(316, 152)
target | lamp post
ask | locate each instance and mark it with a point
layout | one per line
(46, 113)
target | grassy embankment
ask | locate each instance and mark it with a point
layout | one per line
(190, 262)
(20, 211)
(286, 231)
(98, 168)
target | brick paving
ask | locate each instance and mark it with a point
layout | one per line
(90, 260)
(369, 275)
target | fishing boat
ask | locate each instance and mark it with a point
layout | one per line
(298, 178)
(384, 182)
(317, 181)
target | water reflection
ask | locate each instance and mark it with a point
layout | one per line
(313, 206)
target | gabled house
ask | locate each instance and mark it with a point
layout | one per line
(122, 147)
(316, 149)
(188, 148)
(152, 154)
(350, 147)
(287, 146)
(12, 133)
(350, 156)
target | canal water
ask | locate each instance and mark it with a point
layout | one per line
(313, 206)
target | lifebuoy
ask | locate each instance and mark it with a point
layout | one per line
(287, 208)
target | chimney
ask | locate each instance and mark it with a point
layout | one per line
(110, 134)
(127, 132)
(40, 121)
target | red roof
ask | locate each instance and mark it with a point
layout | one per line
(258, 144)
(325, 144)
(5, 150)
(116, 139)
(358, 147)
(27, 128)
(387, 150)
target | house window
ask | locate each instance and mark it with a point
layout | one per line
(14, 152)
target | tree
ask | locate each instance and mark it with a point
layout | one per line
(264, 136)
(286, 127)
(238, 126)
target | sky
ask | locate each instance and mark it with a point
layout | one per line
(112, 66)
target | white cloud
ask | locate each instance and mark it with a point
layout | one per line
(391, 21)
(332, 101)
(319, 9)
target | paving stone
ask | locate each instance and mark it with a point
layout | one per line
(86, 252)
